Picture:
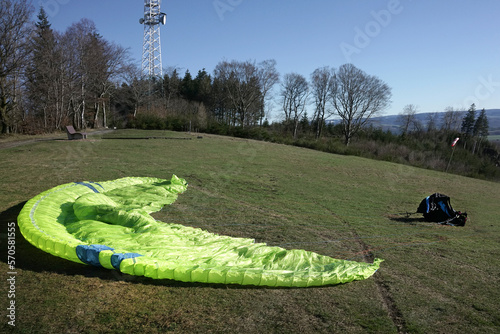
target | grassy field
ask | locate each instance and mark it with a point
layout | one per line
(435, 279)
(494, 138)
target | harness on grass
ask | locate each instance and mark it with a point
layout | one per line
(437, 208)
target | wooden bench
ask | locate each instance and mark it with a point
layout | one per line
(72, 134)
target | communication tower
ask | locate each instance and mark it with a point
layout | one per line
(151, 47)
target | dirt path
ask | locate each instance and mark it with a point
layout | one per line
(383, 289)
(16, 143)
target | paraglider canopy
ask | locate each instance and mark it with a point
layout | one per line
(108, 224)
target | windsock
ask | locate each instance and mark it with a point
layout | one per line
(454, 142)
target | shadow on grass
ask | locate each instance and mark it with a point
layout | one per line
(408, 219)
(31, 259)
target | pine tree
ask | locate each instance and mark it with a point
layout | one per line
(481, 126)
(43, 23)
(480, 131)
(304, 123)
(187, 88)
(202, 86)
(42, 73)
(468, 123)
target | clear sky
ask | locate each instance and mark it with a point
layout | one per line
(432, 53)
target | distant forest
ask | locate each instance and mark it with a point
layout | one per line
(50, 79)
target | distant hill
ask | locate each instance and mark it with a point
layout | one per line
(391, 122)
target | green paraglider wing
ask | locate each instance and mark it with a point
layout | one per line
(109, 224)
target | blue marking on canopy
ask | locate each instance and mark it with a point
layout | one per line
(117, 258)
(90, 186)
(89, 254)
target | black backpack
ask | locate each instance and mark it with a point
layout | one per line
(437, 208)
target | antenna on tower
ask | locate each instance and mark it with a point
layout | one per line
(151, 47)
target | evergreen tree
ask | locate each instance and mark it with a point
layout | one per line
(304, 123)
(171, 87)
(187, 88)
(43, 20)
(481, 126)
(480, 131)
(202, 87)
(469, 121)
(42, 74)
(468, 124)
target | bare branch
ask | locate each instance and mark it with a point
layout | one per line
(357, 96)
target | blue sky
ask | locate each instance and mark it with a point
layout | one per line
(432, 53)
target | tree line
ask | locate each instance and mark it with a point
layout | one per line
(472, 131)
(239, 95)
(50, 79)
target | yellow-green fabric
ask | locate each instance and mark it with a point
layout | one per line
(109, 224)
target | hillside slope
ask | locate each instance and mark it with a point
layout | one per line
(434, 278)
(391, 122)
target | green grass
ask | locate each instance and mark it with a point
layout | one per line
(435, 279)
(494, 138)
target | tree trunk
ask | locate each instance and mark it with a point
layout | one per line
(45, 117)
(3, 117)
(104, 114)
(295, 127)
(82, 118)
(347, 140)
(96, 118)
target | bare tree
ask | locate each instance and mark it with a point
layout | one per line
(241, 85)
(140, 86)
(451, 120)
(110, 62)
(407, 118)
(171, 85)
(268, 77)
(71, 75)
(322, 82)
(294, 93)
(431, 121)
(14, 32)
(86, 66)
(357, 96)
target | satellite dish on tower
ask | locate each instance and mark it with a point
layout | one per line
(163, 18)
(141, 20)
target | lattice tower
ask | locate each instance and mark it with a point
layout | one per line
(151, 47)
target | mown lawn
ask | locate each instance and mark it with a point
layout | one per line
(435, 279)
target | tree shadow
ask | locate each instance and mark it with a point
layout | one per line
(408, 219)
(27, 257)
